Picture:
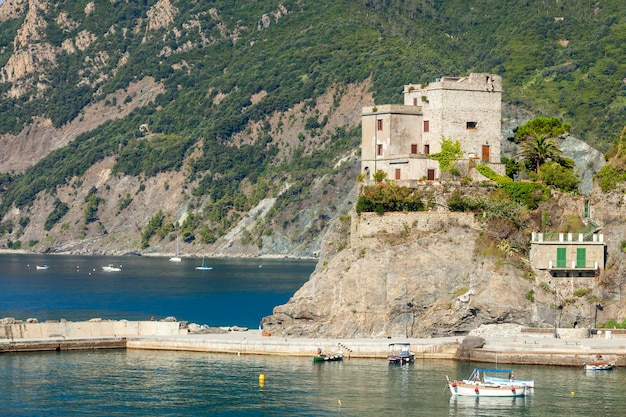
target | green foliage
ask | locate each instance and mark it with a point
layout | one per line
(614, 171)
(537, 149)
(154, 226)
(529, 194)
(380, 176)
(613, 324)
(530, 296)
(581, 292)
(551, 127)
(492, 175)
(124, 202)
(93, 202)
(60, 209)
(386, 197)
(450, 153)
(561, 178)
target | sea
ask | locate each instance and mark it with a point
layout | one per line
(235, 292)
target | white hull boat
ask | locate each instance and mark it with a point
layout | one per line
(112, 268)
(602, 366)
(469, 388)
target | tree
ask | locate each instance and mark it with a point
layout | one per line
(450, 153)
(552, 127)
(539, 148)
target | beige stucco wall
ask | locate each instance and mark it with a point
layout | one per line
(543, 253)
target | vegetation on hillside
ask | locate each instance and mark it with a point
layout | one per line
(229, 68)
(614, 171)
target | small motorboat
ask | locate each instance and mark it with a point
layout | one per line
(599, 366)
(327, 357)
(112, 268)
(507, 378)
(403, 356)
(40, 267)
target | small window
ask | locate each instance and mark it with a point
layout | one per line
(379, 124)
(426, 125)
(414, 148)
(415, 101)
(397, 173)
(471, 125)
(379, 150)
(430, 175)
(426, 149)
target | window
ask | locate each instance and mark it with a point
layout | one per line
(471, 125)
(397, 173)
(414, 148)
(430, 175)
(379, 149)
(426, 149)
(379, 124)
(415, 101)
(426, 126)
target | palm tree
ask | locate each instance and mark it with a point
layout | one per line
(539, 148)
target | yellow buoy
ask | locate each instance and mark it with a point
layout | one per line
(261, 380)
(573, 393)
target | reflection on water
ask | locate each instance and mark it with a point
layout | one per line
(147, 383)
(486, 406)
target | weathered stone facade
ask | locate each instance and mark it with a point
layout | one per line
(397, 139)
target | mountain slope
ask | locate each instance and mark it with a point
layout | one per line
(156, 118)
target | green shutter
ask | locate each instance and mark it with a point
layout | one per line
(581, 257)
(561, 258)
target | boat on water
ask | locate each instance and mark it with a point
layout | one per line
(176, 257)
(400, 353)
(112, 268)
(40, 267)
(327, 357)
(475, 387)
(599, 366)
(204, 267)
(507, 377)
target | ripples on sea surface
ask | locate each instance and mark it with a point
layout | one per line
(149, 383)
(235, 292)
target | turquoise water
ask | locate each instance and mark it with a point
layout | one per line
(147, 383)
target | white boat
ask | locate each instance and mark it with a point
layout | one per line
(204, 267)
(600, 366)
(42, 267)
(112, 268)
(176, 257)
(474, 387)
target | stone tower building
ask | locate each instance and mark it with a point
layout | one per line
(397, 139)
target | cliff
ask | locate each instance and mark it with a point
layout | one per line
(429, 275)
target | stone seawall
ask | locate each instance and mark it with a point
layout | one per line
(89, 329)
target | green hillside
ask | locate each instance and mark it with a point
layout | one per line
(557, 58)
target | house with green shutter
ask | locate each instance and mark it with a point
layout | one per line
(574, 255)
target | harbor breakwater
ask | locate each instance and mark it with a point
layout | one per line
(176, 336)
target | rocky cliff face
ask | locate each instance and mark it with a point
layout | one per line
(423, 283)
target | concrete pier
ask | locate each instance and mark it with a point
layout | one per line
(152, 335)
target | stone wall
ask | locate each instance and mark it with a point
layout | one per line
(368, 225)
(79, 329)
